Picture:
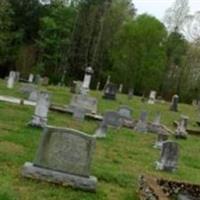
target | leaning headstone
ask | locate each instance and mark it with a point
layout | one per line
(30, 78)
(169, 157)
(64, 157)
(79, 113)
(87, 80)
(174, 103)
(161, 138)
(110, 91)
(111, 118)
(141, 125)
(86, 102)
(41, 110)
(181, 130)
(152, 97)
(11, 80)
(130, 93)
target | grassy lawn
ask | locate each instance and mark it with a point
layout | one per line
(118, 161)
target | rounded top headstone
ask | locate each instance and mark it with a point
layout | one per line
(89, 70)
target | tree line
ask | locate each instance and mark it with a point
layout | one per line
(139, 51)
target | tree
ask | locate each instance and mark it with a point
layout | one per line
(139, 54)
(6, 35)
(176, 15)
(54, 39)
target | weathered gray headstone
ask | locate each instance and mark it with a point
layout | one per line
(174, 103)
(86, 102)
(64, 157)
(141, 125)
(76, 87)
(41, 110)
(33, 96)
(125, 112)
(130, 93)
(110, 91)
(79, 113)
(111, 118)
(169, 157)
(152, 97)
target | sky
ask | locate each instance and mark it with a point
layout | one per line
(157, 8)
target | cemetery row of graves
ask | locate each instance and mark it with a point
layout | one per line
(58, 143)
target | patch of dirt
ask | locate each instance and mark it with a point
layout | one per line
(11, 148)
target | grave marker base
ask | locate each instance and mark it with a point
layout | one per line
(29, 170)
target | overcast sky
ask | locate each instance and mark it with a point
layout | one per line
(158, 7)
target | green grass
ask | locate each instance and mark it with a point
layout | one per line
(118, 161)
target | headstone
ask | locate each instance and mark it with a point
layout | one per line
(11, 80)
(101, 131)
(161, 138)
(110, 91)
(174, 103)
(152, 97)
(30, 78)
(87, 79)
(181, 130)
(64, 157)
(169, 157)
(86, 102)
(130, 93)
(98, 86)
(125, 112)
(33, 96)
(38, 79)
(41, 110)
(112, 119)
(155, 126)
(79, 113)
(76, 87)
(45, 81)
(141, 125)
(17, 76)
(120, 88)
(185, 120)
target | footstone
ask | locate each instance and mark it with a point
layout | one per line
(169, 157)
(64, 157)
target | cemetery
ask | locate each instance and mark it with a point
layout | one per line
(99, 100)
(101, 158)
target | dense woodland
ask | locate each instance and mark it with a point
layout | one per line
(138, 51)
